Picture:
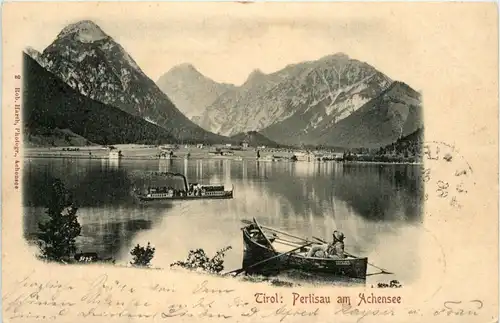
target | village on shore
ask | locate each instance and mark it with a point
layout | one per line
(225, 151)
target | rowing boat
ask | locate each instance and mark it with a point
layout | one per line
(258, 247)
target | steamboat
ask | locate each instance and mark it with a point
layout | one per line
(190, 191)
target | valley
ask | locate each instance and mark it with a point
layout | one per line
(85, 90)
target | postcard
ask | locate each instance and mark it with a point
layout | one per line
(250, 162)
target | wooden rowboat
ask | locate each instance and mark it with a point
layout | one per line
(259, 247)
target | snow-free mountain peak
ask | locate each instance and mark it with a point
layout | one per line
(255, 73)
(190, 90)
(85, 31)
(311, 94)
(335, 56)
(95, 65)
(184, 68)
(255, 76)
(181, 73)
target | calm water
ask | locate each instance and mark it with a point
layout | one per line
(376, 206)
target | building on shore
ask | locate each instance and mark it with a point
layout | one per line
(114, 154)
(166, 155)
(221, 152)
(304, 156)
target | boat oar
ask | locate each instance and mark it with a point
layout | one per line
(277, 231)
(382, 271)
(263, 234)
(320, 240)
(239, 271)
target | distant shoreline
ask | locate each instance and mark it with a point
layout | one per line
(130, 157)
(234, 158)
(381, 163)
(143, 152)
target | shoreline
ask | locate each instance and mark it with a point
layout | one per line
(383, 163)
(234, 158)
(144, 152)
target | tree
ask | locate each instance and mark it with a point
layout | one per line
(142, 256)
(57, 237)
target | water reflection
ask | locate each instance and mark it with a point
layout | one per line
(106, 231)
(164, 165)
(376, 206)
(114, 162)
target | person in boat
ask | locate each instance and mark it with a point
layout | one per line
(335, 249)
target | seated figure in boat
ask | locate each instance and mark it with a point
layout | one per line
(335, 249)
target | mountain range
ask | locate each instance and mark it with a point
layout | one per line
(97, 67)
(392, 114)
(52, 110)
(335, 100)
(85, 76)
(190, 90)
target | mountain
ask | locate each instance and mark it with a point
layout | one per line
(47, 137)
(254, 139)
(409, 145)
(96, 66)
(394, 114)
(56, 114)
(311, 94)
(189, 90)
(196, 119)
(34, 54)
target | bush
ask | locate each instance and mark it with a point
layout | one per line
(142, 256)
(57, 235)
(197, 259)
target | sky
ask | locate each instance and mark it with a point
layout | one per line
(226, 41)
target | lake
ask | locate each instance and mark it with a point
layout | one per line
(378, 207)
